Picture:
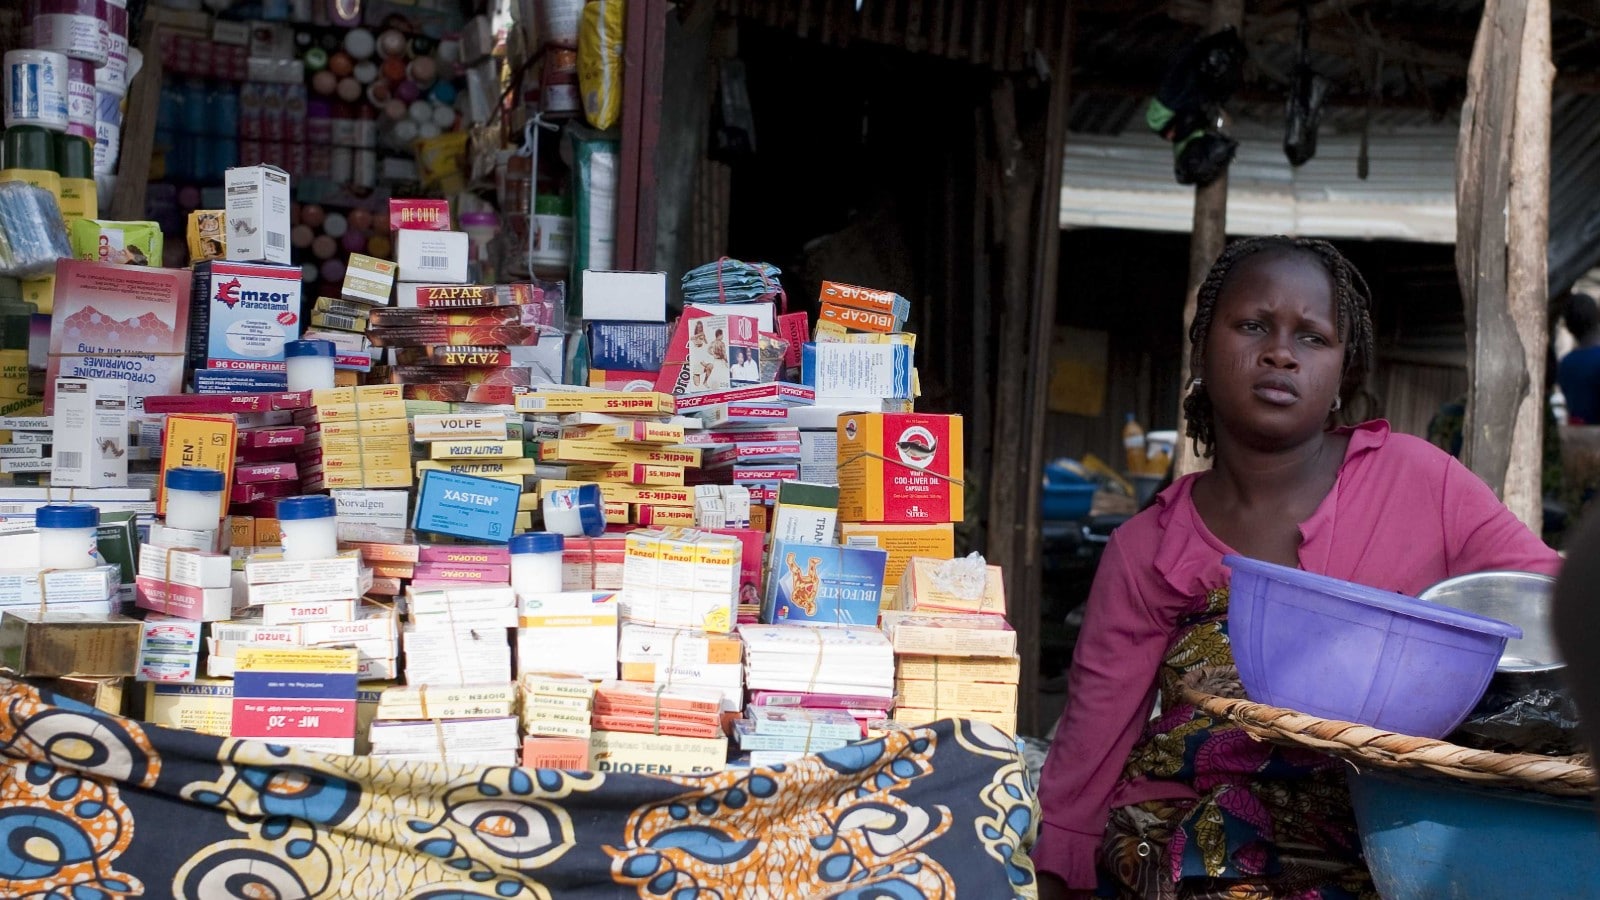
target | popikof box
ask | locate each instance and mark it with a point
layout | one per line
(823, 585)
(902, 468)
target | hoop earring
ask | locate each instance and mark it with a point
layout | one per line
(1337, 403)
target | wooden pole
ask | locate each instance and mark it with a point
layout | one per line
(1527, 276)
(1046, 265)
(1502, 215)
(1206, 240)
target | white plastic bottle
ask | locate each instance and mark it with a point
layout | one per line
(310, 530)
(536, 562)
(67, 536)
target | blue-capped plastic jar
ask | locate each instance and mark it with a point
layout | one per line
(536, 562)
(309, 527)
(67, 536)
(194, 498)
(309, 364)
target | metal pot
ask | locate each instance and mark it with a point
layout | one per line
(1521, 598)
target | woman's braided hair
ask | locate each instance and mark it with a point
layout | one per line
(1351, 299)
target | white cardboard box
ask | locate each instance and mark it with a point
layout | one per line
(433, 257)
(624, 296)
(257, 214)
(91, 448)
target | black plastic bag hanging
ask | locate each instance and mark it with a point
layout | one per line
(1306, 94)
(1188, 106)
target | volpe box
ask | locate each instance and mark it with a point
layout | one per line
(91, 448)
(256, 206)
(826, 585)
(901, 468)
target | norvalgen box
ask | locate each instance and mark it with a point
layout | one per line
(903, 468)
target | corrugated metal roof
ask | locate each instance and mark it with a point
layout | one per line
(1574, 189)
(1126, 181)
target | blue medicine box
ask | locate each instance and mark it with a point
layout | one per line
(464, 506)
(627, 346)
(812, 584)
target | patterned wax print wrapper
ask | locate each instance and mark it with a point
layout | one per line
(154, 812)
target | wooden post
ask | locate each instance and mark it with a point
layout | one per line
(1206, 240)
(643, 64)
(1008, 520)
(1502, 215)
(1029, 162)
(139, 132)
(1046, 263)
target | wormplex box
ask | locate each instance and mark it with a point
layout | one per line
(901, 468)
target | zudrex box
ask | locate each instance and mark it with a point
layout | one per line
(463, 506)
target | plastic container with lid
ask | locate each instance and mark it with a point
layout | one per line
(536, 562)
(194, 498)
(1353, 653)
(310, 364)
(67, 536)
(575, 511)
(309, 527)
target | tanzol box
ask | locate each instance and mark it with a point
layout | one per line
(250, 311)
(256, 206)
(901, 468)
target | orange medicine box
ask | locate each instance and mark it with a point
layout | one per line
(901, 468)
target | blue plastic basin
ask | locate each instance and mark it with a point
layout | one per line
(1066, 501)
(1430, 839)
(1339, 650)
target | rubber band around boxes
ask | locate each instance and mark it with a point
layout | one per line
(1217, 691)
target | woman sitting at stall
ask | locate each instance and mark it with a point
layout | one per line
(1183, 806)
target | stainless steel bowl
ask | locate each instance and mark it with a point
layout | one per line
(1521, 598)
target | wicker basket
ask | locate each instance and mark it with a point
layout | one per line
(1217, 691)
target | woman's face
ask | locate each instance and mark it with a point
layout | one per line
(1274, 355)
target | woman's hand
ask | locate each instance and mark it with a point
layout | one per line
(1053, 888)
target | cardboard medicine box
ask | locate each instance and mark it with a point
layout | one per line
(91, 437)
(51, 644)
(256, 206)
(901, 468)
(826, 585)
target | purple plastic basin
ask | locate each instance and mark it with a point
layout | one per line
(1345, 651)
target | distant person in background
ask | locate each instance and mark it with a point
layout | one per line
(1579, 371)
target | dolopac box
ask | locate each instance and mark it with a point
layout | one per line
(901, 468)
(257, 210)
